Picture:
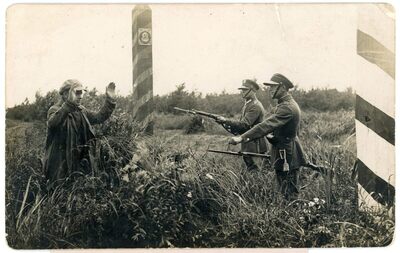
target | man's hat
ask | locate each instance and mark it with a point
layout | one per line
(69, 83)
(249, 85)
(278, 79)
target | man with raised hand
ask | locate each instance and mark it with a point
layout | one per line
(70, 141)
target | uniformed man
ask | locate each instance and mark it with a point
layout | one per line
(252, 114)
(282, 128)
(70, 141)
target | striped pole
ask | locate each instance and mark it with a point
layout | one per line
(375, 106)
(142, 67)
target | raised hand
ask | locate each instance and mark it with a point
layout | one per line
(110, 90)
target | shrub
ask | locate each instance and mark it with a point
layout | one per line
(320, 100)
(165, 190)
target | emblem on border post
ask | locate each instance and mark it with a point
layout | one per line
(144, 36)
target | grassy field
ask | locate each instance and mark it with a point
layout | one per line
(167, 191)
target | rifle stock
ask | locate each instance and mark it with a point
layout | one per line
(317, 168)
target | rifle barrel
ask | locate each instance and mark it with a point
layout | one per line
(206, 114)
(184, 110)
(239, 153)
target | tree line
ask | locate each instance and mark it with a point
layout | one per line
(316, 99)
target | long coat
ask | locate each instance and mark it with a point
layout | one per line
(71, 139)
(252, 113)
(283, 123)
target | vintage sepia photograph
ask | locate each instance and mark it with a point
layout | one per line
(268, 125)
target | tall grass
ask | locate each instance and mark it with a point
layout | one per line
(167, 191)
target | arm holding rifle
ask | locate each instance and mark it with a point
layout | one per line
(234, 127)
(246, 122)
(276, 120)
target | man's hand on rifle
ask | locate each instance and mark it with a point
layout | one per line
(235, 140)
(220, 119)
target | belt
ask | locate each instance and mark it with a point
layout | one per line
(280, 139)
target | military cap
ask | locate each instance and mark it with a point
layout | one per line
(69, 83)
(248, 84)
(278, 79)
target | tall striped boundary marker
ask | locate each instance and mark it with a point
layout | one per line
(375, 106)
(142, 59)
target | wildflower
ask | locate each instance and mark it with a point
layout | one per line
(125, 178)
(142, 174)
(189, 195)
(323, 230)
(209, 176)
(311, 204)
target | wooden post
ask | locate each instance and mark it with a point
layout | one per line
(142, 57)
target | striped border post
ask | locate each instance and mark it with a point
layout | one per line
(142, 67)
(375, 106)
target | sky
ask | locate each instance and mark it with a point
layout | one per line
(209, 47)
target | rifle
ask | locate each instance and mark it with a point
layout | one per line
(239, 153)
(196, 112)
(208, 115)
(320, 169)
(317, 168)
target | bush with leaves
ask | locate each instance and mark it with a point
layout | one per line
(316, 99)
(166, 191)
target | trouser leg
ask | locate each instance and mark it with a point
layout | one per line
(293, 180)
(280, 181)
(287, 183)
(250, 163)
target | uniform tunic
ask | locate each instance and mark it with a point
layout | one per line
(283, 123)
(252, 114)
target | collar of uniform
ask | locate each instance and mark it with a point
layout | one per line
(285, 98)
